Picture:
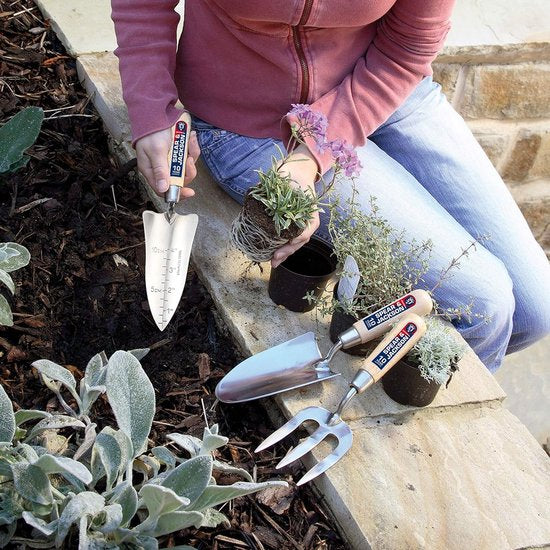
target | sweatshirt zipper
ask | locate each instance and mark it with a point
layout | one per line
(304, 91)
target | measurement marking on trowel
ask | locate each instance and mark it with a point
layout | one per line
(168, 270)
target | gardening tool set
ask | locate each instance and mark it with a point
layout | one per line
(298, 362)
(169, 235)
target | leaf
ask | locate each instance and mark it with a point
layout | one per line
(96, 371)
(51, 464)
(125, 495)
(31, 483)
(13, 256)
(24, 415)
(39, 524)
(161, 500)
(17, 135)
(89, 440)
(217, 494)
(80, 506)
(229, 469)
(190, 479)
(211, 440)
(89, 395)
(55, 372)
(139, 353)
(6, 316)
(7, 418)
(212, 518)
(165, 455)
(106, 451)
(7, 280)
(54, 422)
(187, 442)
(175, 521)
(108, 519)
(132, 398)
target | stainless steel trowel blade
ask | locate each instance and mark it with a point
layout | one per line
(167, 250)
(288, 366)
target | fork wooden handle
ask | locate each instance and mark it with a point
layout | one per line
(406, 332)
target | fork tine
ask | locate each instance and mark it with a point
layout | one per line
(342, 448)
(304, 447)
(287, 428)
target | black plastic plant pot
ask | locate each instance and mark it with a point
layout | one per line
(404, 384)
(340, 322)
(308, 270)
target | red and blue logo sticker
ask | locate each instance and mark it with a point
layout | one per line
(178, 149)
(389, 311)
(397, 343)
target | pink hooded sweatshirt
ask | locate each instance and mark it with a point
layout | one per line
(240, 64)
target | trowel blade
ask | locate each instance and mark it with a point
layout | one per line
(167, 250)
(288, 366)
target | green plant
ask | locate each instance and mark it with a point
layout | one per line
(437, 353)
(13, 256)
(16, 136)
(105, 486)
(389, 264)
(285, 204)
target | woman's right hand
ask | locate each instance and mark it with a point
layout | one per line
(152, 158)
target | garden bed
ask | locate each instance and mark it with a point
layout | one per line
(79, 214)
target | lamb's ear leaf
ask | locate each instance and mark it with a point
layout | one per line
(39, 524)
(165, 456)
(7, 280)
(54, 422)
(51, 464)
(109, 519)
(125, 495)
(211, 440)
(13, 256)
(6, 316)
(7, 418)
(80, 506)
(190, 478)
(106, 457)
(217, 494)
(95, 372)
(89, 440)
(175, 521)
(188, 443)
(31, 483)
(55, 372)
(24, 415)
(139, 353)
(161, 500)
(225, 468)
(212, 518)
(132, 398)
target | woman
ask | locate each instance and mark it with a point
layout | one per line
(240, 64)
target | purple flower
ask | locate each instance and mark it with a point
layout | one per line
(312, 123)
(345, 155)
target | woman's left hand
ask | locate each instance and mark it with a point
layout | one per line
(302, 168)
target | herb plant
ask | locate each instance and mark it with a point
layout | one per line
(13, 256)
(106, 489)
(437, 353)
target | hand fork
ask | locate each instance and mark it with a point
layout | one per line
(406, 332)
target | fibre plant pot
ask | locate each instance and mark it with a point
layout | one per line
(308, 270)
(340, 322)
(404, 384)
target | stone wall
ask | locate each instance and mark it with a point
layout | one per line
(504, 95)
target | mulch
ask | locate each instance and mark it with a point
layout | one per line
(84, 292)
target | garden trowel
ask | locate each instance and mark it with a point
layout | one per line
(169, 235)
(298, 362)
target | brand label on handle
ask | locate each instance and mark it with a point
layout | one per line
(397, 343)
(178, 149)
(389, 311)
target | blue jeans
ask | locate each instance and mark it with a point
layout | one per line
(432, 179)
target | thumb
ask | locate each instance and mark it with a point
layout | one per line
(159, 167)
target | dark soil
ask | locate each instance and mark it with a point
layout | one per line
(254, 210)
(84, 292)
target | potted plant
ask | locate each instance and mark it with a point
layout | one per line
(416, 379)
(276, 210)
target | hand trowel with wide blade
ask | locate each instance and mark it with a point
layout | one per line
(298, 362)
(169, 235)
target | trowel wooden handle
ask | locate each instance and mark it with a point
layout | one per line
(407, 331)
(181, 133)
(376, 324)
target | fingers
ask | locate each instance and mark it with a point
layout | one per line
(292, 246)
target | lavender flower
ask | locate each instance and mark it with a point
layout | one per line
(312, 123)
(345, 156)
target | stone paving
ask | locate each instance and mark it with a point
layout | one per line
(462, 473)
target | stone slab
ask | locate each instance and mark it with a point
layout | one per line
(462, 479)
(525, 377)
(84, 26)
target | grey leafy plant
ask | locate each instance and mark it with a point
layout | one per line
(16, 136)
(60, 489)
(437, 353)
(13, 256)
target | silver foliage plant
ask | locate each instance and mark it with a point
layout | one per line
(13, 256)
(55, 490)
(437, 353)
